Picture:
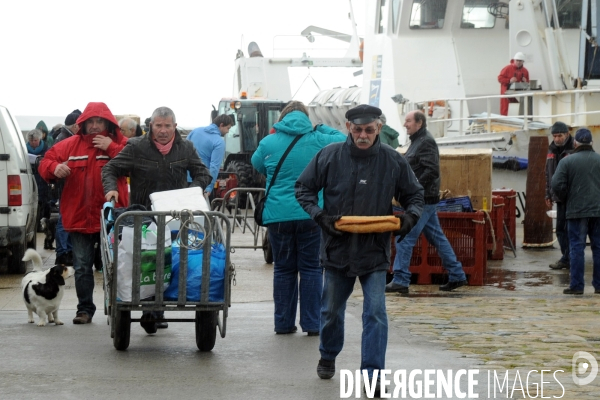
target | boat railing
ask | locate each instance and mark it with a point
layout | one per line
(489, 117)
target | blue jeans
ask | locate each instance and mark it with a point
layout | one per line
(562, 234)
(295, 247)
(337, 290)
(83, 263)
(63, 240)
(429, 224)
(579, 228)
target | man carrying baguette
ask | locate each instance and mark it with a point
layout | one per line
(424, 158)
(358, 177)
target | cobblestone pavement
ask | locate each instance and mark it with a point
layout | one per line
(520, 321)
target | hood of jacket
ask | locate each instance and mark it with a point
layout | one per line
(295, 123)
(213, 129)
(99, 109)
(389, 132)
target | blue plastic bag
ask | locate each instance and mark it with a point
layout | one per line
(194, 278)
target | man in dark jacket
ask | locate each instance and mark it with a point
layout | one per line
(577, 183)
(424, 159)
(358, 177)
(155, 162)
(559, 148)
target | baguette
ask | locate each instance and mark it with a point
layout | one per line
(360, 224)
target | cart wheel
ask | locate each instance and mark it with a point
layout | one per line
(122, 330)
(267, 249)
(206, 329)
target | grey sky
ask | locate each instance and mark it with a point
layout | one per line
(138, 55)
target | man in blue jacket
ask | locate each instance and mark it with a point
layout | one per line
(209, 144)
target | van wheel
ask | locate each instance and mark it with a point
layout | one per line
(15, 265)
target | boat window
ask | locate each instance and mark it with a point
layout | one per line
(395, 14)
(476, 14)
(569, 14)
(381, 17)
(428, 14)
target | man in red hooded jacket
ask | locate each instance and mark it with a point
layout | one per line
(513, 72)
(79, 160)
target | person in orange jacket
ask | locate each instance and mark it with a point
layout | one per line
(513, 72)
(79, 161)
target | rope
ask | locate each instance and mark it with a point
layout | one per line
(195, 242)
(539, 244)
(487, 215)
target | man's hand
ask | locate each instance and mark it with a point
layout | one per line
(407, 222)
(513, 79)
(549, 204)
(524, 79)
(62, 170)
(327, 224)
(111, 194)
(101, 142)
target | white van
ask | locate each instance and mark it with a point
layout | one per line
(18, 195)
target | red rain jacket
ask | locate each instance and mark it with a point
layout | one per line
(509, 72)
(83, 195)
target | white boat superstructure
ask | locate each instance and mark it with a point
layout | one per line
(444, 57)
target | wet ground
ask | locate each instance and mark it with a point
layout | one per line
(517, 323)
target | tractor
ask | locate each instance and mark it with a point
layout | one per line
(253, 119)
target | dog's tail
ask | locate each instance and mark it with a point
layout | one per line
(34, 257)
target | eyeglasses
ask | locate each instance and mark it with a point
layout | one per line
(368, 130)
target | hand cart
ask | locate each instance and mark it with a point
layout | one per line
(206, 313)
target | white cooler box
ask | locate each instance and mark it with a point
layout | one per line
(180, 199)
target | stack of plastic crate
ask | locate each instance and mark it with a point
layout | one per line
(467, 236)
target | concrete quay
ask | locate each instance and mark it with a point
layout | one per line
(517, 323)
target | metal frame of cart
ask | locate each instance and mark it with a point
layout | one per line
(207, 318)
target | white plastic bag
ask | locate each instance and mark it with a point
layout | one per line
(125, 263)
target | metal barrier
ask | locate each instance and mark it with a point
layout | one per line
(243, 217)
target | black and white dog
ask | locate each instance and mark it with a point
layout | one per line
(43, 290)
(48, 226)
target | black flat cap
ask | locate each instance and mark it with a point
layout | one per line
(363, 114)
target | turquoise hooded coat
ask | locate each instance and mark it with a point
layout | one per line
(281, 204)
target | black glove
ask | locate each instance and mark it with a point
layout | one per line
(407, 222)
(326, 222)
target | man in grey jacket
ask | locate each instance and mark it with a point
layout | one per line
(577, 182)
(424, 159)
(358, 177)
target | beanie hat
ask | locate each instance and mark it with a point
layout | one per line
(559, 127)
(72, 118)
(583, 136)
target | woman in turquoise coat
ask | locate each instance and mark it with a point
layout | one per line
(294, 236)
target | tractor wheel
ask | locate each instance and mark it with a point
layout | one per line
(245, 179)
(267, 249)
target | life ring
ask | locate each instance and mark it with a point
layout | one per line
(361, 48)
(432, 104)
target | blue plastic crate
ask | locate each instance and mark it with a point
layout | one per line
(453, 204)
(450, 208)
